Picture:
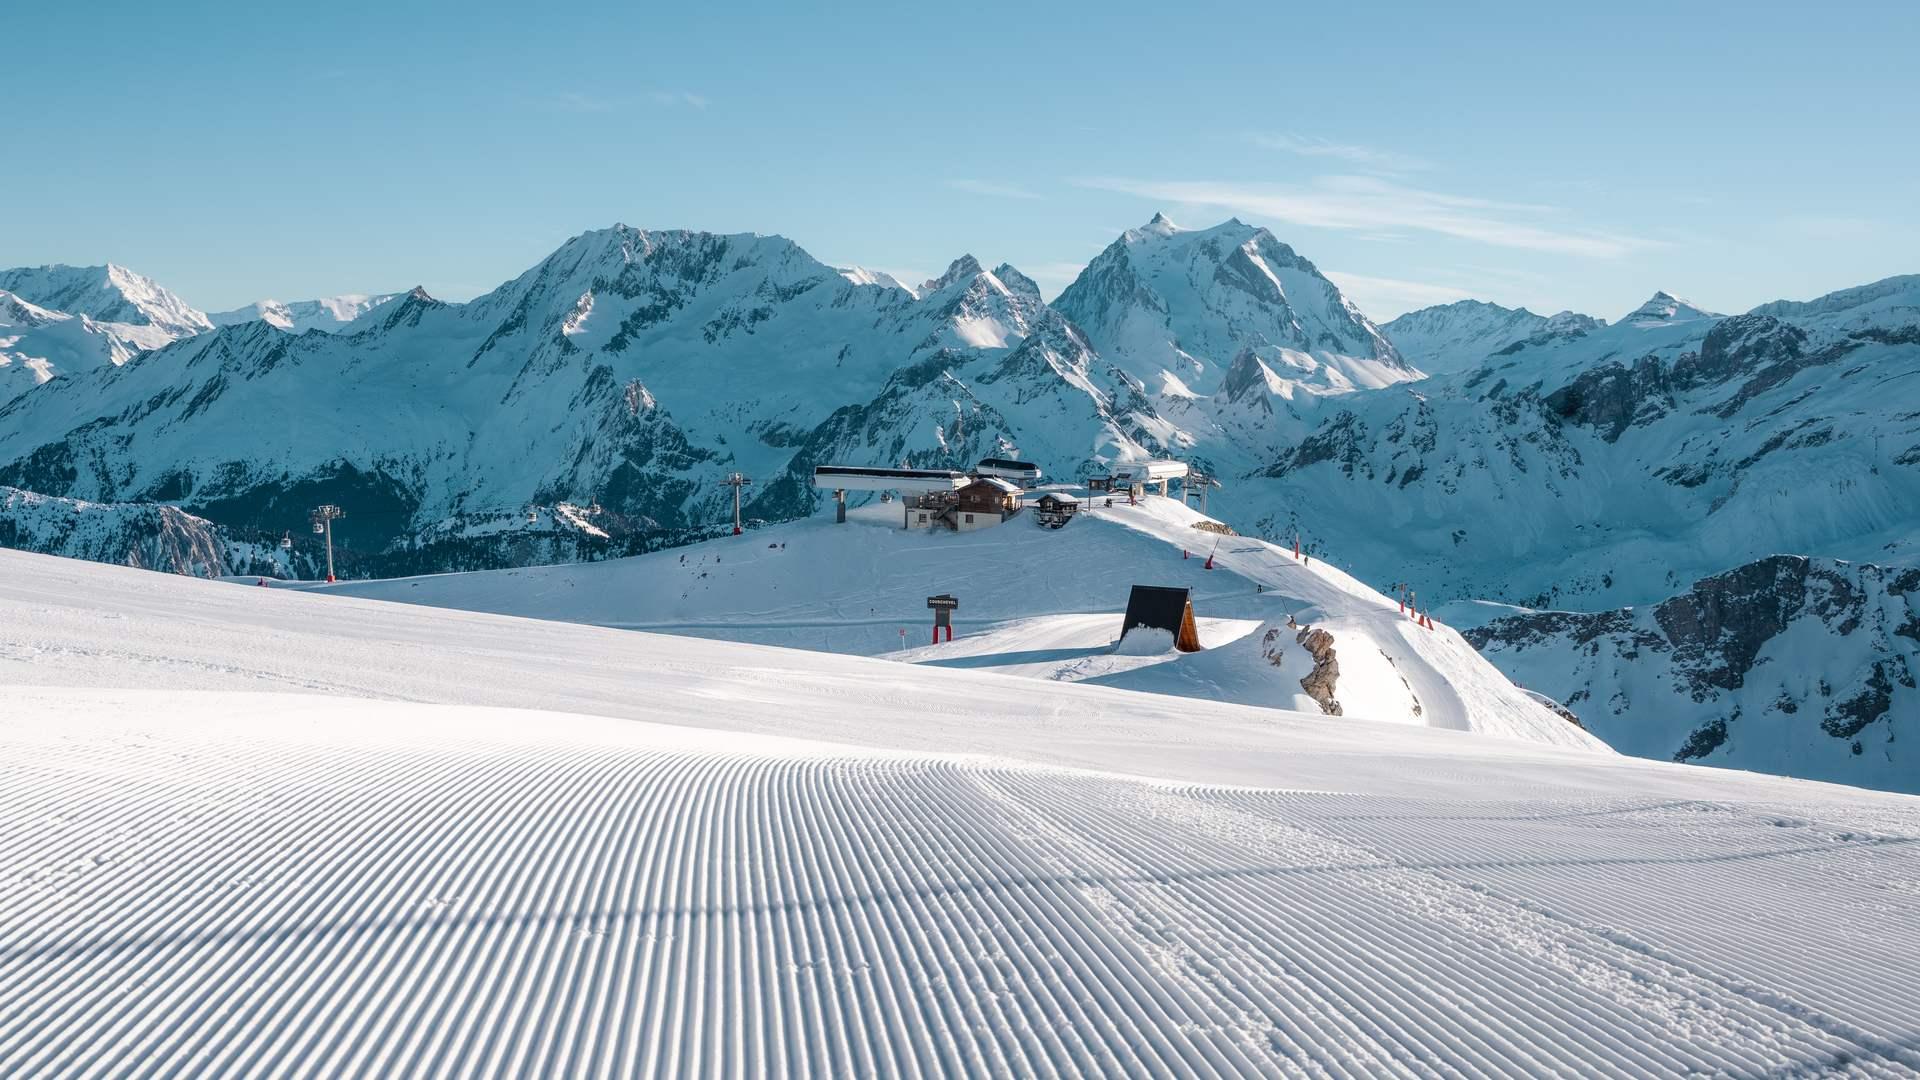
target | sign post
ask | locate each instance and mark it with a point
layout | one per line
(943, 607)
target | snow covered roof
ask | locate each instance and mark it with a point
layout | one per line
(1007, 486)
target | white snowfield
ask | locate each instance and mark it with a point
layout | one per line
(261, 832)
(1040, 596)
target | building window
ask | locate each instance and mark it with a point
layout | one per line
(969, 519)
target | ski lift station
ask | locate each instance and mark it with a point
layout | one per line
(990, 494)
(1137, 475)
(1020, 472)
(937, 498)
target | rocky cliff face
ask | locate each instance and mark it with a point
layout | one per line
(145, 535)
(1791, 665)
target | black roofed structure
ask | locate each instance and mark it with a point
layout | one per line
(1162, 607)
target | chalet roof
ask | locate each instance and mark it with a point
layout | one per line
(1006, 487)
(1058, 496)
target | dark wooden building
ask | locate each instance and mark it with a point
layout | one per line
(1161, 607)
(1055, 509)
(987, 501)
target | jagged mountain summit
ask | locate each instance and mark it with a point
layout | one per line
(1174, 308)
(329, 313)
(107, 294)
(1664, 307)
(1451, 338)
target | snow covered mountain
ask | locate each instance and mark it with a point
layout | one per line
(37, 344)
(1804, 667)
(630, 369)
(1175, 308)
(107, 294)
(1620, 465)
(1232, 338)
(1460, 336)
(1663, 308)
(1554, 463)
(331, 313)
(67, 320)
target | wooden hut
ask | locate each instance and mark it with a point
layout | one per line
(1055, 509)
(985, 502)
(1161, 607)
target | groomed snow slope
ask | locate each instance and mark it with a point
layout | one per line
(218, 881)
(854, 587)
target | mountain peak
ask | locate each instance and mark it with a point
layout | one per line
(963, 268)
(1161, 224)
(1173, 308)
(17, 311)
(1017, 282)
(106, 293)
(860, 275)
(1663, 306)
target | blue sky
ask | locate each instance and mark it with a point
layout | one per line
(1731, 153)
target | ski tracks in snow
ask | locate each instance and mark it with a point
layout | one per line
(388, 889)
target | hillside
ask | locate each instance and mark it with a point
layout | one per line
(766, 861)
(855, 588)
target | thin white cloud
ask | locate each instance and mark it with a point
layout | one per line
(1369, 204)
(1382, 298)
(1366, 156)
(993, 190)
(570, 101)
(679, 97)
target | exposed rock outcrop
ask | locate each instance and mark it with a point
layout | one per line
(1788, 664)
(1321, 682)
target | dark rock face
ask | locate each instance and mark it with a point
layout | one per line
(1786, 664)
(1704, 740)
(1615, 397)
(1717, 629)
